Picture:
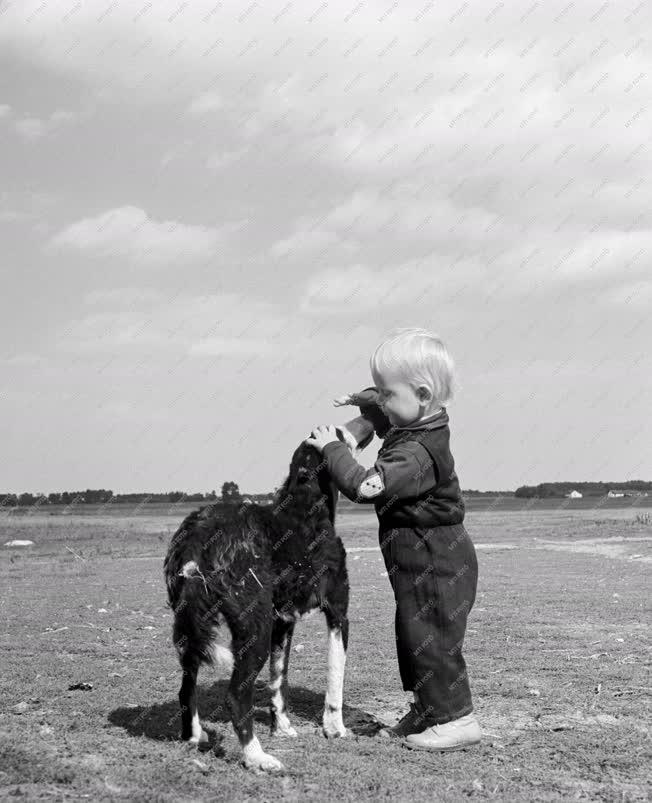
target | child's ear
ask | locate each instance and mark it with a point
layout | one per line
(424, 394)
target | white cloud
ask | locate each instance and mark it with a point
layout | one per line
(11, 216)
(116, 409)
(34, 128)
(118, 297)
(636, 294)
(27, 359)
(128, 232)
(145, 318)
(501, 112)
(225, 158)
(604, 254)
(31, 127)
(129, 321)
(20, 206)
(360, 288)
(206, 102)
(398, 227)
(212, 346)
(303, 242)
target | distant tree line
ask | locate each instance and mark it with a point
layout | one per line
(231, 493)
(549, 489)
(473, 492)
(99, 496)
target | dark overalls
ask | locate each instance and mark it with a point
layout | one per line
(429, 556)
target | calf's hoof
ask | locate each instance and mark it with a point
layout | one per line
(198, 741)
(332, 725)
(286, 730)
(255, 758)
(281, 725)
(264, 762)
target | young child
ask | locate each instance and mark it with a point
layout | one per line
(430, 559)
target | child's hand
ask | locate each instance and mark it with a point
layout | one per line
(340, 401)
(322, 435)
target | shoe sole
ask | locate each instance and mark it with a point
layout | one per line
(394, 735)
(402, 735)
(412, 746)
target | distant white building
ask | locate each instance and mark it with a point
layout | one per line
(616, 492)
(574, 495)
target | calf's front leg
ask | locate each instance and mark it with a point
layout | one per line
(338, 636)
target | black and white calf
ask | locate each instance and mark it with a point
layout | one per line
(252, 571)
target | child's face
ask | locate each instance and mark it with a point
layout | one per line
(399, 401)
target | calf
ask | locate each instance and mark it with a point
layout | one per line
(252, 571)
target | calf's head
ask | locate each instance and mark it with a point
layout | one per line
(309, 477)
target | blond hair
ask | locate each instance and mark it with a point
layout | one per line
(418, 357)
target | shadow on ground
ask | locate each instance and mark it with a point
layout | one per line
(162, 721)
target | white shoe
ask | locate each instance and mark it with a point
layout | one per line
(455, 735)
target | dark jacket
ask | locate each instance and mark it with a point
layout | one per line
(413, 482)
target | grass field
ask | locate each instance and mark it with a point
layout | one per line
(558, 653)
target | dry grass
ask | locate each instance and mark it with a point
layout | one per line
(557, 647)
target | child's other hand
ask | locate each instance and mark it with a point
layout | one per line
(322, 435)
(340, 401)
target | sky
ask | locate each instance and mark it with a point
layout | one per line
(212, 212)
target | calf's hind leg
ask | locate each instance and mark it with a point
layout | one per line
(191, 730)
(250, 650)
(278, 676)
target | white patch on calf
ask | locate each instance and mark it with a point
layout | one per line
(191, 569)
(276, 670)
(222, 656)
(220, 647)
(284, 726)
(198, 735)
(256, 758)
(277, 667)
(188, 569)
(287, 617)
(282, 721)
(332, 722)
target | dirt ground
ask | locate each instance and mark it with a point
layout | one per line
(558, 651)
